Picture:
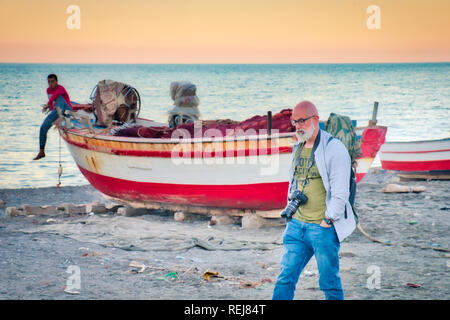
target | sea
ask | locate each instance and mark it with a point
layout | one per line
(414, 102)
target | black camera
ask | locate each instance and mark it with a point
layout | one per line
(296, 200)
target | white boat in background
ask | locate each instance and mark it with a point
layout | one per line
(428, 156)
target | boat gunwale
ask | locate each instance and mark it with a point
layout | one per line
(418, 141)
(191, 140)
(167, 154)
(177, 141)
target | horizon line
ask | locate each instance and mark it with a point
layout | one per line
(222, 63)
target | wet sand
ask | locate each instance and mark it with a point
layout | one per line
(34, 260)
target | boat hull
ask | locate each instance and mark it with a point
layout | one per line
(249, 182)
(416, 156)
(247, 173)
(262, 196)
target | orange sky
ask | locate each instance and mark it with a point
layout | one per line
(224, 31)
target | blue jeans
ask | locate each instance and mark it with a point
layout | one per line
(52, 116)
(301, 241)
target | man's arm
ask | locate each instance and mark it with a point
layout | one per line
(45, 107)
(339, 178)
(58, 92)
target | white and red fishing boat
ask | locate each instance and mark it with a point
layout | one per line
(244, 172)
(426, 156)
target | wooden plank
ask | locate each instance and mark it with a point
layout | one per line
(375, 112)
(270, 214)
(182, 207)
(423, 176)
(373, 121)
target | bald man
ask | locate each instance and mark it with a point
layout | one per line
(320, 171)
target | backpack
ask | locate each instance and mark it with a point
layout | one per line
(341, 127)
(352, 189)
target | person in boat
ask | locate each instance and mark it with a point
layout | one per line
(58, 96)
(320, 170)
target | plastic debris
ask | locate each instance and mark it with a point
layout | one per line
(434, 244)
(137, 267)
(310, 273)
(263, 265)
(412, 222)
(248, 284)
(92, 254)
(171, 275)
(346, 254)
(413, 285)
(209, 275)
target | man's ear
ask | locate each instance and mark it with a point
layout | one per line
(317, 119)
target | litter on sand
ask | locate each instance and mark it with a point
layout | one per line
(248, 284)
(137, 267)
(211, 275)
(413, 285)
(392, 188)
(92, 254)
(171, 275)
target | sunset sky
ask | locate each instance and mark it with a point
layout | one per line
(224, 31)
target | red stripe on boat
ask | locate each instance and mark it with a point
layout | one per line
(425, 151)
(435, 165)
(371, 140)
(262, 196)
(359, 176)
(191, 154)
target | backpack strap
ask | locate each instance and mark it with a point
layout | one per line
(329, 139)
(310, 162)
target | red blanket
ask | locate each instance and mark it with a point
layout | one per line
(280, 121)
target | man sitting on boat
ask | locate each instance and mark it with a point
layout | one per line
(319, 214)
(58, 97)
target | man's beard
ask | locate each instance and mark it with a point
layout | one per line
(303, 136)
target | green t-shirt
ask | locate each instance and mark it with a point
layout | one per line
(313, 211)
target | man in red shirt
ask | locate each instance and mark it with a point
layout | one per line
(58, 96)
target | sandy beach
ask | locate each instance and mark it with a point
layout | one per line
(36, 251)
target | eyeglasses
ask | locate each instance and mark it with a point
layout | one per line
(300, 121)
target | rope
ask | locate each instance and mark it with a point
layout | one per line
(60, 168)
(368, 236)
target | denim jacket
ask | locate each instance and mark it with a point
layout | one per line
(333, 163)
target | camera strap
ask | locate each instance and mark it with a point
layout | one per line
(310, 162)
